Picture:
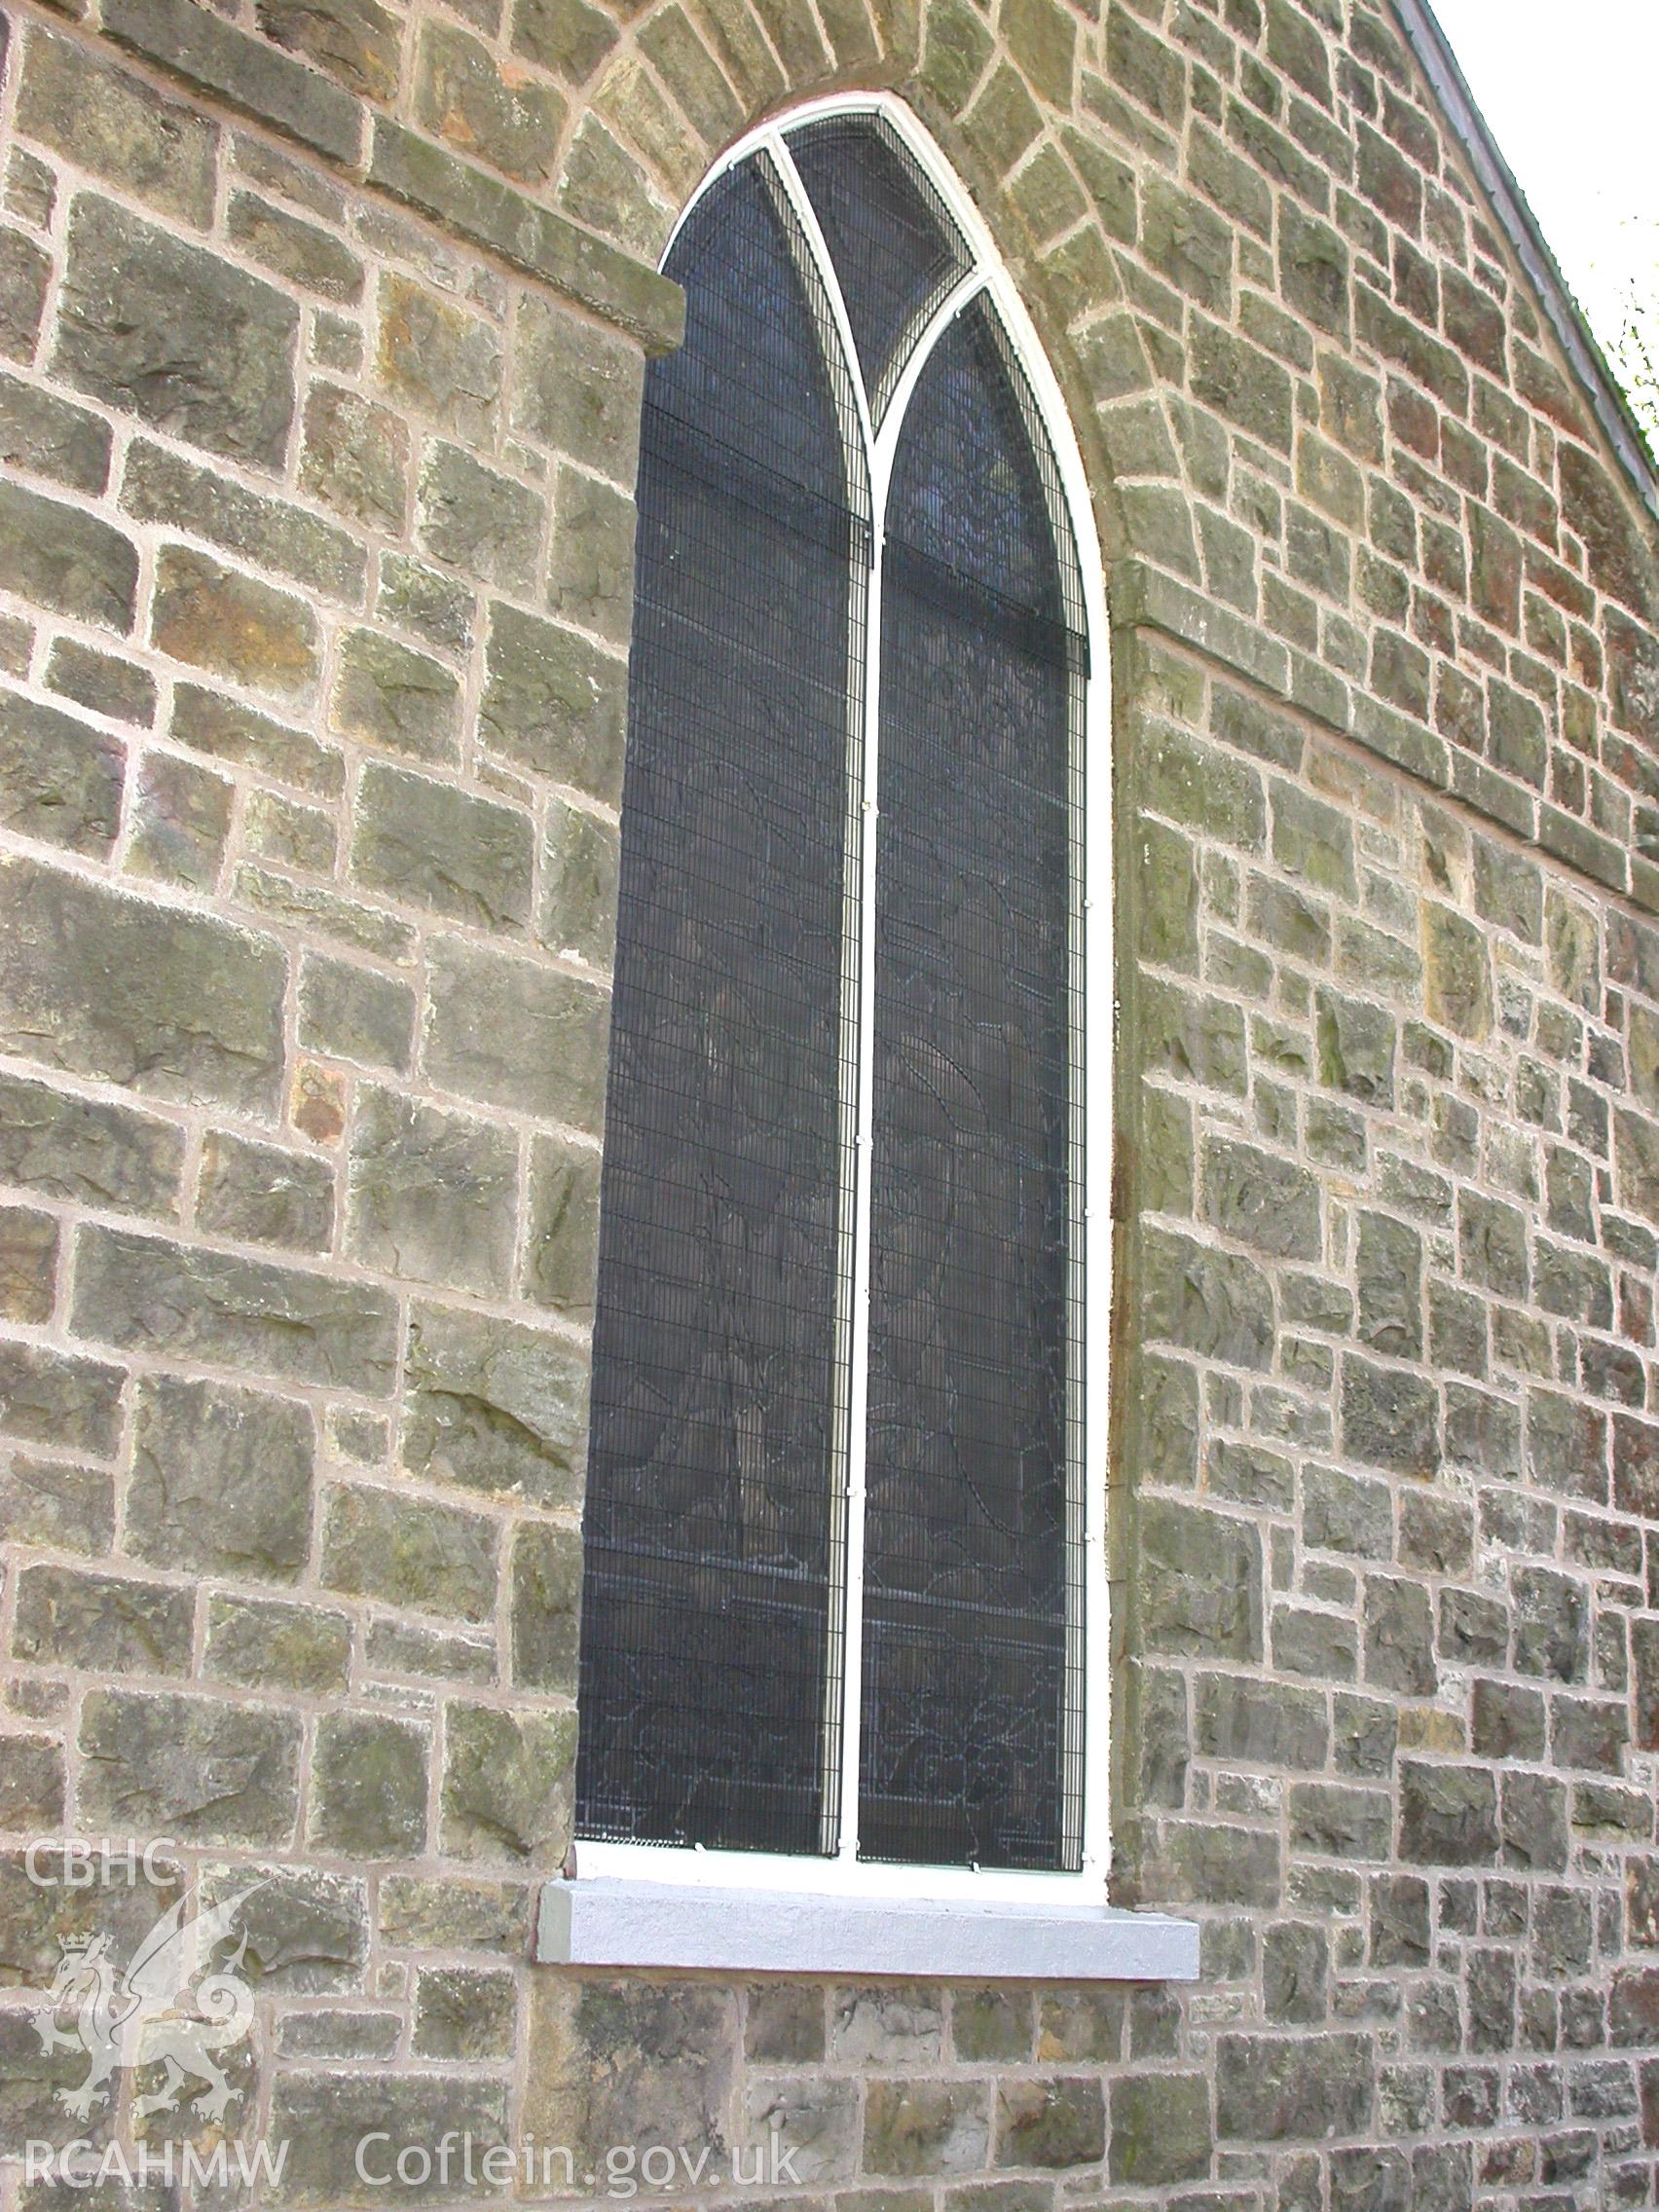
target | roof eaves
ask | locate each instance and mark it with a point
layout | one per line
(1433, 49)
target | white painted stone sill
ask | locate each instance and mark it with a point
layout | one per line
(606, 1922)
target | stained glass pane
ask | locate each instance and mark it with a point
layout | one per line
(707, 1600)
(969, 1669)
(893, 245)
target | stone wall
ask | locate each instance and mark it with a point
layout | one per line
(323, 325)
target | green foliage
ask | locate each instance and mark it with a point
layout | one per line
(1634, 347)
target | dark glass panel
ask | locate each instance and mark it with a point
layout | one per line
(706, 1605)
(967, 1561)
(966, 500)
(893, 247)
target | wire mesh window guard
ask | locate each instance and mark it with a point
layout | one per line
(833, 1599)
(894, 251)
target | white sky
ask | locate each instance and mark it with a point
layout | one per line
(1571, 88)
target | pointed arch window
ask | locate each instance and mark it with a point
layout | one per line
(842, 1538)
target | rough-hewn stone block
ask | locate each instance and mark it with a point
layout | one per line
(516, 1033)
(1236, 1718)
(28, 1265)
(1242, 382)
(181, 1302)
(1355, 1044)
(478, 520)
(217, 619)
(356, 457)
(104, 1623)
(512, 118)
(1447, 1814)
(180, 821)
(190, 1767)
(161, 487)
(590, 570)
(368, 1782)
(1211, 1301)
(1201, 1587)
(58, 1505)
(108, 122)
(173, 1003)
(66, 561)
(325, 2117)
(431, 1196)
(355, 41)
(578, 389)
(393, 697)
(25, 275)
(562, 1233)
(1282, 2089)
(409, 1552)
(1390, 1418)
(1161, 2129)
(173, 334)
(259, 1195)
(546, 1601)
(209, 722)
(438, 358)
(351, 1013)
(103, 682)
(495, 1406)
(313, 259)
(61, 781)
(47, 436)
(427, 844)
(32, 1783)
(566, 36)
(1267, 1202)
(1551, 1613)
(221, 1479)
(509, 1785)
(925, 2128)
(267, 1645)
(416, 597)
(604, 2049)
(241, 70)
(553, 703)
(1193, 1037)
(1051, 2122)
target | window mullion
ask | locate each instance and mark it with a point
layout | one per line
(844, 1686)
(867, 806)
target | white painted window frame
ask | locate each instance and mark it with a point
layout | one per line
(615, 1886)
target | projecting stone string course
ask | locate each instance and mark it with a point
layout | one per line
(323, 326)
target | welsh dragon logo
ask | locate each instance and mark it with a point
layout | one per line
(153, 2011)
